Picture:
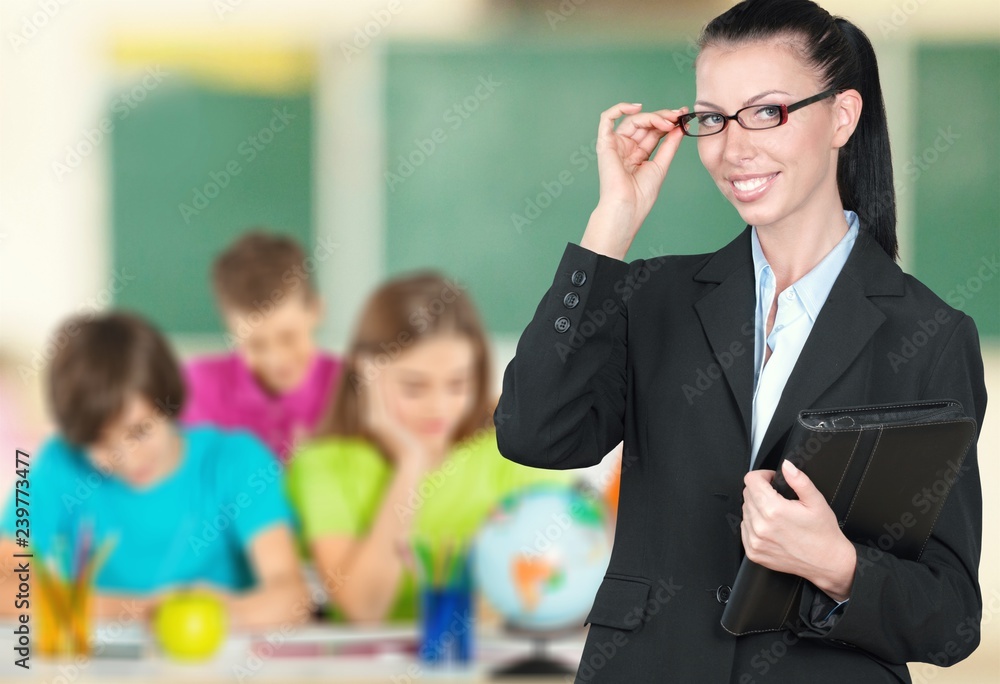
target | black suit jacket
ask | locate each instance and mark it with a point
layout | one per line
(658, 352)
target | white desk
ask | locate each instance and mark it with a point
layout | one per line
(310, 653)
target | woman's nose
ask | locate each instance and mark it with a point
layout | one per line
(738, 143)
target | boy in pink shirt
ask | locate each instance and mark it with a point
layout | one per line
(276, 382)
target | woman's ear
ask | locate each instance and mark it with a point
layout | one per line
(847, 113)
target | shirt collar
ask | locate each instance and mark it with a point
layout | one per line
(813, 288)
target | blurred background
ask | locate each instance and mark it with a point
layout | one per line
(137, 139)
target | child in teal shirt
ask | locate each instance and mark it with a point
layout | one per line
(182, 507)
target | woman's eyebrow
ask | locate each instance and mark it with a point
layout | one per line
(748, 102)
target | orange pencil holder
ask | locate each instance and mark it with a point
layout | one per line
(62, 612)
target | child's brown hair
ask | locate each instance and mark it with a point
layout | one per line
(400, 313)
(260, 267)
(100, 363)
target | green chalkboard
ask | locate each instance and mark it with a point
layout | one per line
(490, 166)
(479, 136)
(955, 173)
(192, 166)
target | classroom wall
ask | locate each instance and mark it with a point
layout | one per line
(57, 80)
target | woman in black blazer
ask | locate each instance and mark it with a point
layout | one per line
(661, 353)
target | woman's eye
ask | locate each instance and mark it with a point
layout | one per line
(768, 112)
(709, 120)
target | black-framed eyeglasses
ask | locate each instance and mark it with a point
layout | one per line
(755, 117)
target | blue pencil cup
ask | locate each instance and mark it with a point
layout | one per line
(447, 621)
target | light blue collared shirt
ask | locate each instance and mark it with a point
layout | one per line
(798, 306)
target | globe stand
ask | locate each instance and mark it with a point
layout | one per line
(538, 663)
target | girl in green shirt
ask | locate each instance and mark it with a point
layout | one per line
(407, 451)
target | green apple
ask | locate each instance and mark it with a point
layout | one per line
(190, 625)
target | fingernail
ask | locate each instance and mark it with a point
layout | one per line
(792, 470)
(637, 104)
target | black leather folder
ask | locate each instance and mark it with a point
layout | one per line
(875, 465)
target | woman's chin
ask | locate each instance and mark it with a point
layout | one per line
(755, 216)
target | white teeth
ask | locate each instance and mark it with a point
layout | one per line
(752, 184)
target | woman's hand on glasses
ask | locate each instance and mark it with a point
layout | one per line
(630, 179)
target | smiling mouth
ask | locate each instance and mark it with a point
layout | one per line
(753, 183)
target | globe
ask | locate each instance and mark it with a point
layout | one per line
(540, 555)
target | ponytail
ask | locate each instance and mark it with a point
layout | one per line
(845, 59)
(864, 164)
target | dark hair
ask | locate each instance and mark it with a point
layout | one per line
(401, 312)
(100, 363)
(843, 56)
(260, 267)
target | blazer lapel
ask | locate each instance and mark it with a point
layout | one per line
(727, 316)
(843, 327)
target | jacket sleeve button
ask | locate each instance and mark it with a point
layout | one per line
(571, 300)
(578, 278)
(562, 324)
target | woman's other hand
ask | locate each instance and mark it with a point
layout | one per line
(630, 179)
(801, 537)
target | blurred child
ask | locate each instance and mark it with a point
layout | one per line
(183, 507)
(275, 383)
(409, 449)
